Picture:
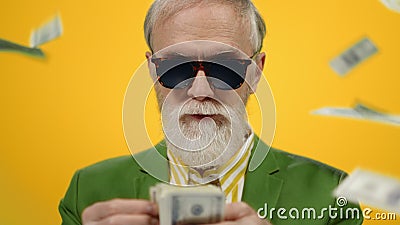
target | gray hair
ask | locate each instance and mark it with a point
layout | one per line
(163, 9)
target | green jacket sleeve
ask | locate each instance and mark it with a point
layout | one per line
(68, 205)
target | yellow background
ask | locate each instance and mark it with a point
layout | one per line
(65, 112)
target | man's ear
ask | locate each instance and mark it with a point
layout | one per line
(150, 66)
(148, 57)
(260, 62)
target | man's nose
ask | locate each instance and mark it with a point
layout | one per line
(200, 88)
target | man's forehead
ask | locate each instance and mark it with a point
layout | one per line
(220, 23)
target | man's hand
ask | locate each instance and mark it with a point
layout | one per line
(241, 213)
(121, 211)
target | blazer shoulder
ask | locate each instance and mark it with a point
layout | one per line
(289, 162)
(122, 166)
(120, 163)
(104, 180)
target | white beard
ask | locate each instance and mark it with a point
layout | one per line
(206, 143)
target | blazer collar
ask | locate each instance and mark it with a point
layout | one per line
(262, 185)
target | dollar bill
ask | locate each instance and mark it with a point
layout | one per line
(370, 188)
(9, 46)
(353, 56)
(188, 205)
(392, 5)
(360, 111)
(46, 32)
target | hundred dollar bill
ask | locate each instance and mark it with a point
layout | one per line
(372, 189)
(9, 46)
(188, 205)
(353, 56)
(392, 5)
(360, 111)
(46, 32)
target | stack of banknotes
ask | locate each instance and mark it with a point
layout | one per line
(188, 205)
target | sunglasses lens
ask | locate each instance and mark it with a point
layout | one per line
(177, 76)
(227, 76)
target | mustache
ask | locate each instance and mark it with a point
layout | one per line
(208, 106)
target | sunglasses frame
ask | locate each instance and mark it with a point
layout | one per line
(197, 65)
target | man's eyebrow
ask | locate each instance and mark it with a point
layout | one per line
(175, 54)
(220, 54)
(225, 53)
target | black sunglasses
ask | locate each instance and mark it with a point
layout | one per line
(223, 74)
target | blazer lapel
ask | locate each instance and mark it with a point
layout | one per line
(154, 169)
(262, 186)
(154, 162)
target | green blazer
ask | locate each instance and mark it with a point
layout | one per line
(293, 183)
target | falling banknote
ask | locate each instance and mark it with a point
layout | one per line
(188, 205)
(372, 189)
(392, 5)
(353, 56)
(360, 111)
(47, 32)
(9, 46)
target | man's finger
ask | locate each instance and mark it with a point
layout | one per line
(251, 219)
(123, 219)
(237, 210)
(101, 210)
(223, 223)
